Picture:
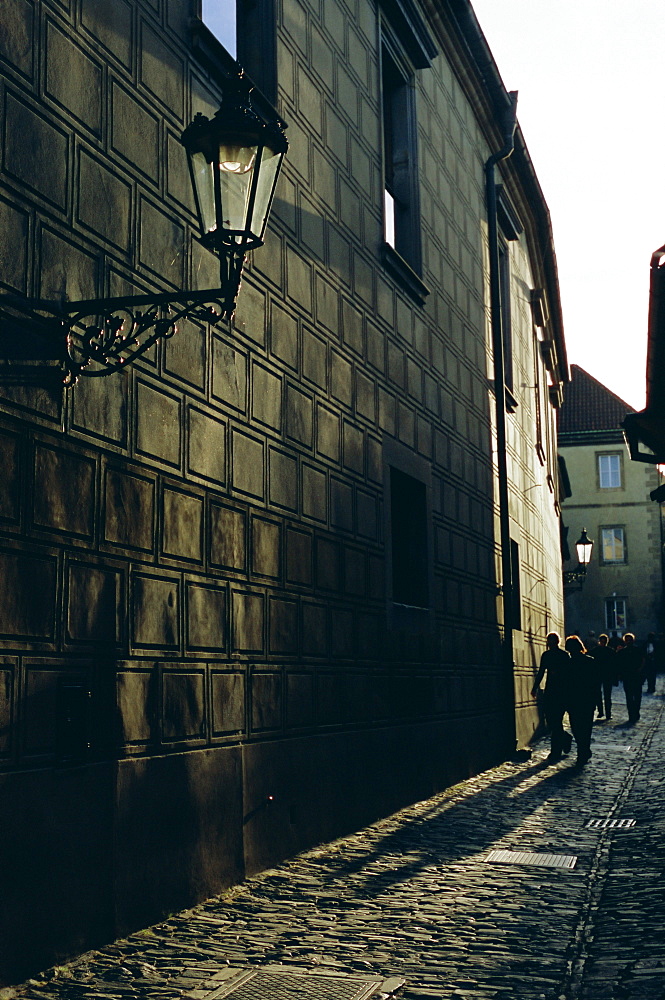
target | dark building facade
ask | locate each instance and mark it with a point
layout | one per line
(254, 588)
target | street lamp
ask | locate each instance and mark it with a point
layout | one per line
(584, 547)
(234, 160)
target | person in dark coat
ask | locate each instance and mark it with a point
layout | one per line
(582, 692)
(615, 642)
(605, 658)
(591, 646)
(650, 663)
(630, 666)
(555, 663)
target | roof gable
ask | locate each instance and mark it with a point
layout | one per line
(588, 405)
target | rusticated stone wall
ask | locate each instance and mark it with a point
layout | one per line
(196, 617)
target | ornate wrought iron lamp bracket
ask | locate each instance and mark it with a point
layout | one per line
(96, 337)
(234, 159)
(571, 576)
(584, 547)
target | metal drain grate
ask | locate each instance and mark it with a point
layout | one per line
(276, 984)
(529, 858)
(610, 824)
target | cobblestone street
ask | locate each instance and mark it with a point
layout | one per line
(414, 898)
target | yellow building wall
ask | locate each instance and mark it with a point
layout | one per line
(638, 580)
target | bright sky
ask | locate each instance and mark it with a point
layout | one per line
(590, 88)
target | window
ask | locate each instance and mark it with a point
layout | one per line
(247, 31)
(509, 230)
(540, 405)
(400, 198)
(221, 18)
(506, 321)
(612, 545)
(615, 614)
(408, 500)
(516, 590)
(406, 47)
(609, 471)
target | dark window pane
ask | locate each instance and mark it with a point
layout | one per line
(516, 591)
(409, 540)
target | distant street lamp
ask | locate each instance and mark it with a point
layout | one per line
(584, 547)
(235, 160)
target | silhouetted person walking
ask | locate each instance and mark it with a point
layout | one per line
(555, 663)
(630, 662)
(582, 695)
(605, 658)
(650, 663)
(615, 642)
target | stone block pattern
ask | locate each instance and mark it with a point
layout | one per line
(208, 530)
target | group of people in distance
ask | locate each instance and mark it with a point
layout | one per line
(580, 681)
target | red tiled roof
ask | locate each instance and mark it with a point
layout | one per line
(588, 405)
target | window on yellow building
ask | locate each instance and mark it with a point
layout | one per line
(609, 471)
(612, 544)
(616, 614)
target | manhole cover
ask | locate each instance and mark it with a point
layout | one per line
(610, 824)
(276, 984)
(530, 858)
(597, 745)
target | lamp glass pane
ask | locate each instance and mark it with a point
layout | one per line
(236, 169)
(236, 159)
(269, 168)
(204, 181)
(584, 553)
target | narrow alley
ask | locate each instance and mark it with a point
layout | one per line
(423, 905)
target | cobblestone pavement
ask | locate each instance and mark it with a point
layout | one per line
(413, 896)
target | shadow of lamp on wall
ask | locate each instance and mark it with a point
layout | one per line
(584, 546)
(234, 162)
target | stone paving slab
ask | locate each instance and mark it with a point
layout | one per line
(412, 898)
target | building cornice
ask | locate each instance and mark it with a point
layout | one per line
(576, 438)
(464, 45)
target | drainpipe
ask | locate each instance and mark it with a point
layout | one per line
(509, 125)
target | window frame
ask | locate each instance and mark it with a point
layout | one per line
(539, 401)
(505, 273)
(202, 14)
(406, 43)
(539, 319)
(624, 552)
(400, 616)
(256, 46)
(611, 617)
(600, 455)
(509, 231)
(399, 151)
(516, 585)
(408, 532)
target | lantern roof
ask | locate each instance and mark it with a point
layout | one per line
(236, 122)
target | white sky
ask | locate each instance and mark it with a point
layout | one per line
(590, 108)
